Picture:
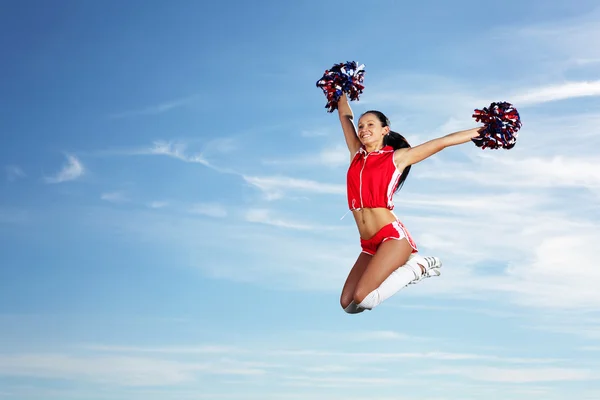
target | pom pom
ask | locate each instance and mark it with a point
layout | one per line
(502, 122)
(342, 78)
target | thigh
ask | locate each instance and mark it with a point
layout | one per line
(391, 255)
(353, 277)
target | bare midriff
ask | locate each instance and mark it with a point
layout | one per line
(370, 220)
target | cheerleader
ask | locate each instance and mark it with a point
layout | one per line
(380, 160)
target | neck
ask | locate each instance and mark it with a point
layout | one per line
(373, 147)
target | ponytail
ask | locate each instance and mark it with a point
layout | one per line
(397, 141)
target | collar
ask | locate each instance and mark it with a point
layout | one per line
(384, 149)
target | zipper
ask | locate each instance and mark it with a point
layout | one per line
(360, 181)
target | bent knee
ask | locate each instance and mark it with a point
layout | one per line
(346, 300)
(360, 294)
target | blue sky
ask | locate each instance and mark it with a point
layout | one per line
(172, 192)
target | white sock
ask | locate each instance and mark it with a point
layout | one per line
(353, 308)
(396, 281)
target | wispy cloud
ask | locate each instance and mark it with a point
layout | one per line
(554, 92)
(274, 187)
(589, 348)
(573, 325)
(205, 349)
(478, 203)
(178, 150)
(564, 43)
(342, 381)
(14, 172)
(209, 209)
(528, 249)
(392, 357)
(175, 150)
(302, 255)
(508, 171)
(71, 170)
(518, 375)
(158, 108)
(333, 156)
(114, 197)
(380, 335)
(135, 366)
(263, 216)
(158, 204)
(116, 370)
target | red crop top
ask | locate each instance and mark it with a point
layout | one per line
(371, 179)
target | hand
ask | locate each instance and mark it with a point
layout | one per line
(476, 132)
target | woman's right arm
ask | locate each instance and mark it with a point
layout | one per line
(347, 120)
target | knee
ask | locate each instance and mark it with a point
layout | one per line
(360, 293)
(345, 300)
(344, 304)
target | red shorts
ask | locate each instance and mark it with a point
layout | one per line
(394, 230)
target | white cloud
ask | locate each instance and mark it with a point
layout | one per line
(72, 170)
(205, 349)
(332, 156)
(172, 148)
(589, 348)
(179, 150)
(516, 170)
(342, 381)
(416, 93)
(176, 150)
(328, 369)
(222, 145)
(382, 357)
(554, 92)
(303, 253)
(176, 366)
(157, 109)
(564, 43)
(518, 375)
(501, 203)
(116, 370)
(158, 204)
(14, 172)
(573, 325)
(547, 262)
(209, 209)
(263, 216)
(564, 273)
(380, 335)
(275, 187)
(114, 197)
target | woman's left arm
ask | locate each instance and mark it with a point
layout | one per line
(412, 155)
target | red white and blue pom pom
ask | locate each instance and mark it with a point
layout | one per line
(502, 122)
(342, 78)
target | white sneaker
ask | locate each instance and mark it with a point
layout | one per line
(432, 266)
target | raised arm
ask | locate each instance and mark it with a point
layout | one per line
(347, 120)
(409, 156)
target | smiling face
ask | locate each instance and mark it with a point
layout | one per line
(371, 130)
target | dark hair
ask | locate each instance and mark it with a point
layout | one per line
(394, 139)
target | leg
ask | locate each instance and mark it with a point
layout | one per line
(416, 269)
(354, 276)
(384, 263)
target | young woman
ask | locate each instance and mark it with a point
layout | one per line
(380, 161)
